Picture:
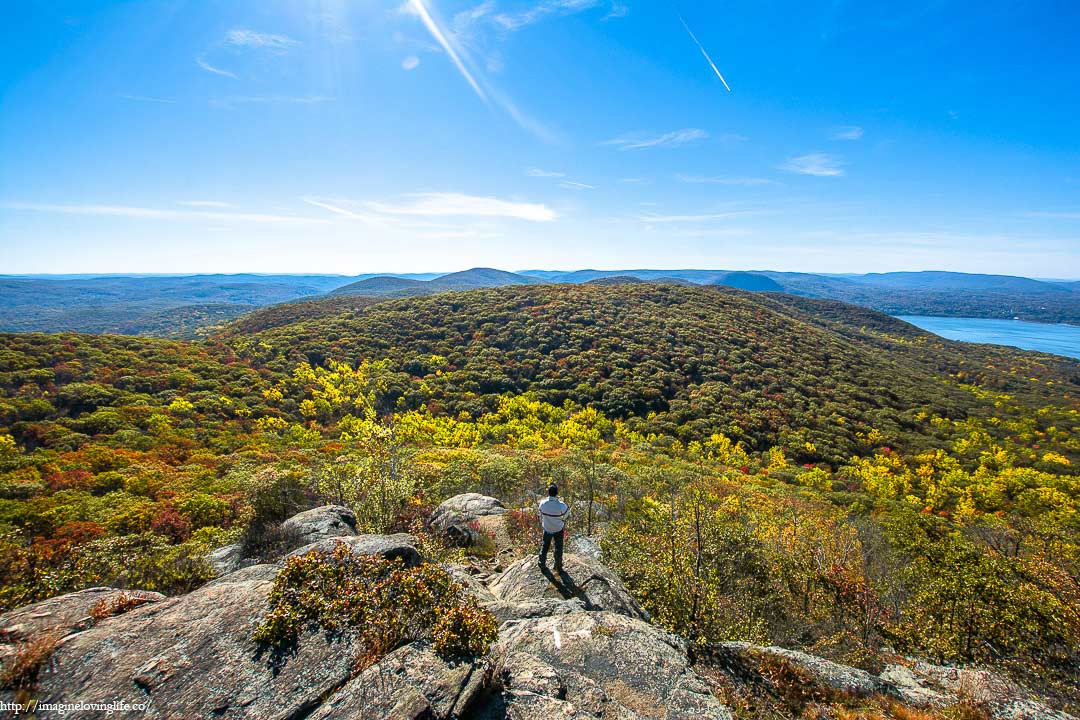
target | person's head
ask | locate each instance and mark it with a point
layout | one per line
(553, 490)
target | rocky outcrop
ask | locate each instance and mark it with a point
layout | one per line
(585, 545)
(911, 689)
(400, 546)
(583, 579)
(821, 672)
(596, 665)
(570, 645)
(918, 685)
(67, 614)
(464, 509)
(922, 684)
(319, 524)
(226, 559)
(193, 656)
(412, 682)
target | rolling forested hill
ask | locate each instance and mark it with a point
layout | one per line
(692, 361)
(834, 479)
(153, 305)
(191, 306)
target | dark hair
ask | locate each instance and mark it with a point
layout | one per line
(553, 490)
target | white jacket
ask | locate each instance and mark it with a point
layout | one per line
(553, 514)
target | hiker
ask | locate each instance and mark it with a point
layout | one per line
(553, 514)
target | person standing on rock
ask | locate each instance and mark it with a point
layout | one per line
(553, 514)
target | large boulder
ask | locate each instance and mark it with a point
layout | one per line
(464, 509)
(596, 586)
(923, 684)
(193, 656)
(411, 683)
(912, 689)
(66, 614)
(817, 671)
(400, 546)
(319, 524)
(585, 545)
(597, 665)
(226, 559)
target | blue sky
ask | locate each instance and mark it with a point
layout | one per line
(436, 135)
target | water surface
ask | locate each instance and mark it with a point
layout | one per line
(1057, 339)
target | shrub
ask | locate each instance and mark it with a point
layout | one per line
(463, 631)
(145, 562)
(380, 601)
(524, 531)
(483, 543)
(107, 607)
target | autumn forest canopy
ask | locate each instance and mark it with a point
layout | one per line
(763, 467)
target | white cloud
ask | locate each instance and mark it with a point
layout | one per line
(548, 8)
(465, 22)
(451, 44)
(718, 180)
(571, 185)
(661, 218)
(439, 204)
(347, 209)
(618, 10)
(636, 141)
(146, 213)
(817, 164)
(204, 203)
(847, 132)
(243, 38)
(537, 172)
(216, 70)
(410, 63)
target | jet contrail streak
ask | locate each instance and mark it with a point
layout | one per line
(702, 49)
(437, 33)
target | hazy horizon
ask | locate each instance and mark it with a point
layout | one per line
(439, 273)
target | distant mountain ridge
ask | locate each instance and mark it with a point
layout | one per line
(473, 279)
(187, 305)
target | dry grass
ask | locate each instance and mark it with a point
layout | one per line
(20, 670)
(107, 607)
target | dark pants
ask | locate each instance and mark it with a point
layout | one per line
(558, 547)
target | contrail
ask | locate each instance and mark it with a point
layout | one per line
(702, 49)
(433, 28)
